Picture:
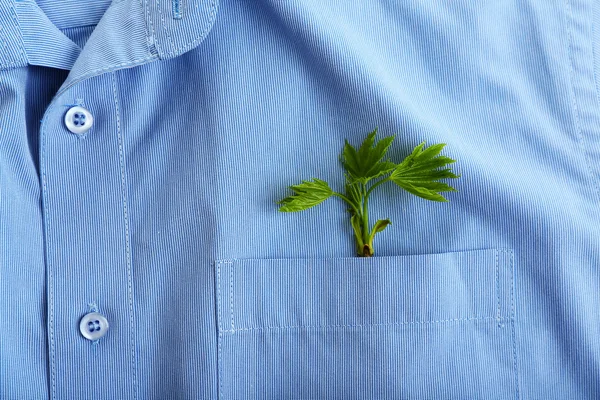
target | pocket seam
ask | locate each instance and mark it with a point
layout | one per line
(512, 321)
(220, 324)
(362, 326)
(498, 315)
(220, 333)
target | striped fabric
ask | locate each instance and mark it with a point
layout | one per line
(60, 53)
(70, 13)
(162, 216)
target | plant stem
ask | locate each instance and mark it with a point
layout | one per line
(361, 210)
(365, 216)
(376, 184)
(367, 250)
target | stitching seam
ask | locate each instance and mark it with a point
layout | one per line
(22, 53)
(148, 37)
(220, 335)
(164, 25)
(514, 339)
(108, 69)
(49, 266)
(498, 285)
(360, 326)
(127, 244)
(218, 295)
(578, 131)
(151, 26)
(231, 295)
(212, 15)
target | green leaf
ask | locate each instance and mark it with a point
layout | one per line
(367, 163)
(306, 195)
(380, 225)
(419, 173)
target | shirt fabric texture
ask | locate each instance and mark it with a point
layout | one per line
(162, 216)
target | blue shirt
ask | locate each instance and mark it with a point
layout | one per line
(143, 256)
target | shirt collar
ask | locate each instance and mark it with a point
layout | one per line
(130, 33)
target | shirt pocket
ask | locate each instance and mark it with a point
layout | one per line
(416, 326)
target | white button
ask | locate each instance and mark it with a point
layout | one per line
(93, 326)
(78, 120)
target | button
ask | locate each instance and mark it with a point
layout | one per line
(93, 326)
(78, 120)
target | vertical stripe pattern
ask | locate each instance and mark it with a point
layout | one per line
(163, 217)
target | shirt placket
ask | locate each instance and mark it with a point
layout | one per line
(91, 330)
